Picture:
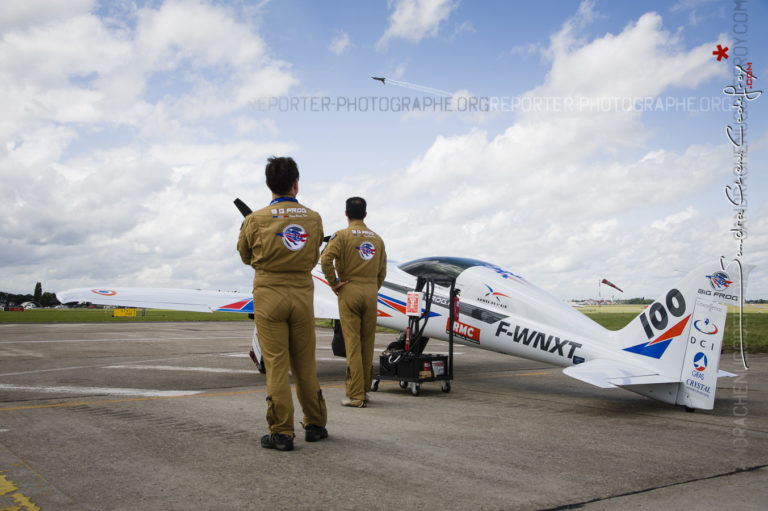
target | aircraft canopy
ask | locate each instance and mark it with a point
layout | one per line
(443, 270)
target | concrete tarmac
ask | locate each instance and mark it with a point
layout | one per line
(169, 416)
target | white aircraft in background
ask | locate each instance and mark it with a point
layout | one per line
(669, 352)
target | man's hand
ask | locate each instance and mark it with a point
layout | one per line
(338, 286)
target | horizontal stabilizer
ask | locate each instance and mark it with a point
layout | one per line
(610, 373)
(725, 374)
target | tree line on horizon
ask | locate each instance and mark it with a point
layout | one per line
(43, 299)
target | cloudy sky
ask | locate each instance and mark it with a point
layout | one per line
(563, 141)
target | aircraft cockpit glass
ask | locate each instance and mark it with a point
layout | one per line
(442, 270)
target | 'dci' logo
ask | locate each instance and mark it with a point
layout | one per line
(367, 250)
(705, 327)
(294, 237)
(719, 281)
(700, 361)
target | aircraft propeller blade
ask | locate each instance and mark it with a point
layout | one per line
(243, 207)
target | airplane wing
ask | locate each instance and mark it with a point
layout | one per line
(610, 373)
(161, 298)
(326, 305)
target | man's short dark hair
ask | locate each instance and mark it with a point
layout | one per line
(356, 208)
(281, 173)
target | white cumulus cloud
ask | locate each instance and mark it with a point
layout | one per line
(413, 20)
(112, 162)
(340, 43)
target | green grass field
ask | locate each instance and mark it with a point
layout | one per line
(612, 317)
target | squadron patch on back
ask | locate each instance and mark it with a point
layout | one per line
(366, 250)
(294, 237)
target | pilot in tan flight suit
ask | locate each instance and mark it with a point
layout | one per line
(355, 264)
(281, 242)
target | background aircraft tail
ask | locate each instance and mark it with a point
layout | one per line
(680, 335)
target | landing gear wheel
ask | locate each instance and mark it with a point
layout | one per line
(374, 385)
(446, 387)
(690, 409)
(403, 384)
(415, 388)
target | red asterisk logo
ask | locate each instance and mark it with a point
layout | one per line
(721, 52)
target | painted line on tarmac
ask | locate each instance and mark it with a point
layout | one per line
(183, 368)
(98, 366)
(154, 398)
(111, 391)
(23, 488)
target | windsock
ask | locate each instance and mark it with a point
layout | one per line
(607, 283)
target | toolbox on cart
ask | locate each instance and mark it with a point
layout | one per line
(405, 362)
(410, 366)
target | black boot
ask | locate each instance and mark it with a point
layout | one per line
(314, 433)
(277, 441)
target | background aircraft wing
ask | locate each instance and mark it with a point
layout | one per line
(161, 298)
(326, 306)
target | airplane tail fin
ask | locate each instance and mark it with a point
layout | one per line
(680, 335)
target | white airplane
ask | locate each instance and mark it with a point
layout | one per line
(669, 352)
